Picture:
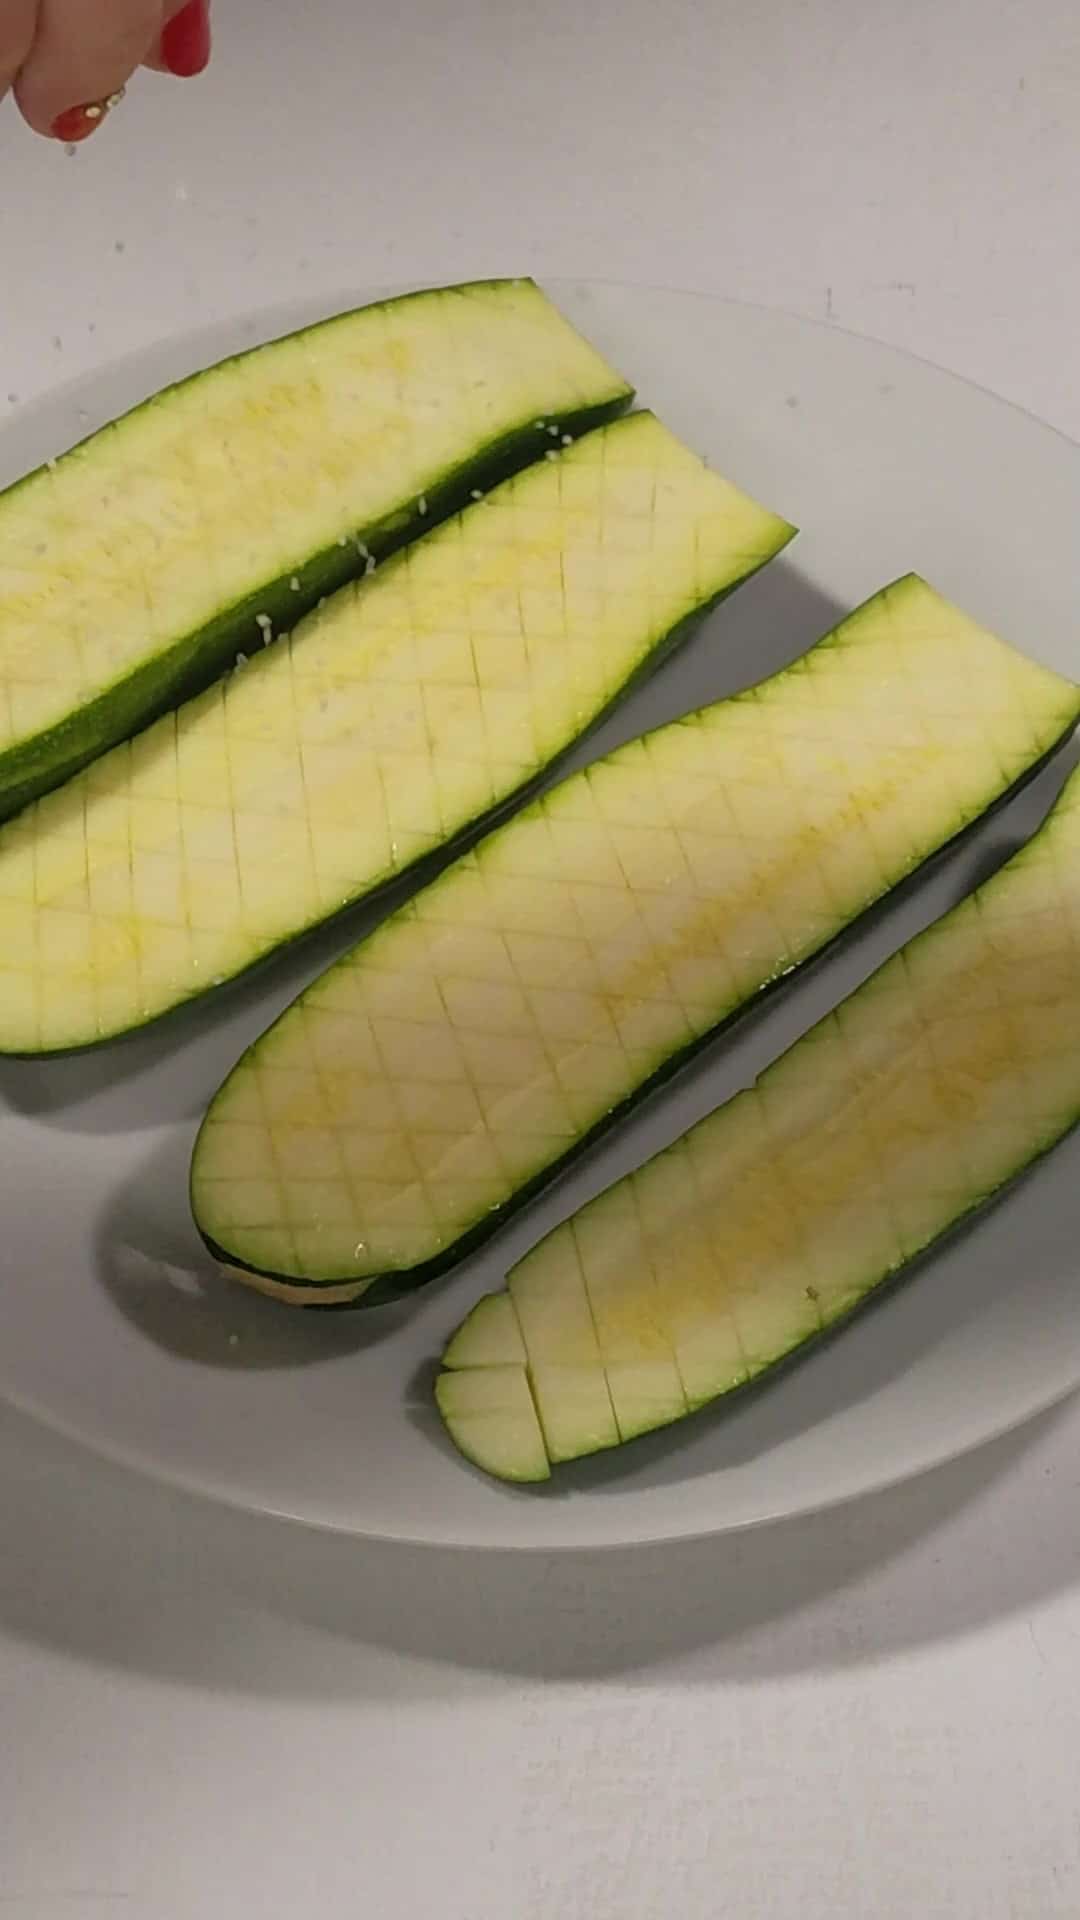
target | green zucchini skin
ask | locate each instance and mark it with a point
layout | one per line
(388, 1288)
(38, 766)
(177, 672)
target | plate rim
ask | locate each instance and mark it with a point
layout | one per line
(118, 1457)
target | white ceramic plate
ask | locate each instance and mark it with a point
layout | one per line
(115, 1328)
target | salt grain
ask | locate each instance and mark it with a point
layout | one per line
(294, 583)
(421, 505)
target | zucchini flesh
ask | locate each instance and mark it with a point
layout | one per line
(930, 1088)
(442, 1070)
(400, 713)
(133, 568)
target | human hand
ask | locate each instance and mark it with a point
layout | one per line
(67, 61)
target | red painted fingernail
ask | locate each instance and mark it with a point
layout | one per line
(78, 123)
(185, 43)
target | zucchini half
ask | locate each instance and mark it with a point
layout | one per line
(397, 716)
(930, 1088)
(447, 1066)
(133, 568)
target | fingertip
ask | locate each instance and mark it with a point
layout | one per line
(83, 52)
(72, 125)
(185, 46)
(76, 124)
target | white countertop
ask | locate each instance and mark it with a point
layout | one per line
(873, 1714)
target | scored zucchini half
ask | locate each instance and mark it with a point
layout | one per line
(134, 567)
(933, 1085)
(441, 1071)
(396, 717)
